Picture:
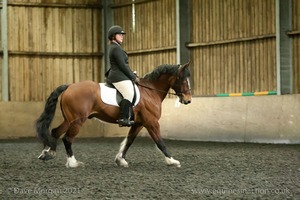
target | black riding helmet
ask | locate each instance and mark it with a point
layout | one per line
(115, 30)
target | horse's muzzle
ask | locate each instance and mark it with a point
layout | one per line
(185, 101)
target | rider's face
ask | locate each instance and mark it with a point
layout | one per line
(119, 38)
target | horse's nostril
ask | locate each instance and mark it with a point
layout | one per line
(187, 102)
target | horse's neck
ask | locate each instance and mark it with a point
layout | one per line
(161, 86)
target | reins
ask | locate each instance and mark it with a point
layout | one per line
(176, 93)
(157, 89)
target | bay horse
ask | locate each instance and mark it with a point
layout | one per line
(81, 101)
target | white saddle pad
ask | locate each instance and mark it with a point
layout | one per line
(109, 95)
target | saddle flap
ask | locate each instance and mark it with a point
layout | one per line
(111, 96)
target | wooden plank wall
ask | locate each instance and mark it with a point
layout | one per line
(295, 34)
(51, 43)
(233, 46)
(153, 40)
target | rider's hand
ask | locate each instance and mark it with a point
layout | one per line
(137, 80)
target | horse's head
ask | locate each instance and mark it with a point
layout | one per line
(181, 85)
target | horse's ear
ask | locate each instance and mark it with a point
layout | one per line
(187, 64)
(184, 66)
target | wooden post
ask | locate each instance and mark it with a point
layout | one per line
(284, 47)
(5, 86)
(182, 30)
(107, 22)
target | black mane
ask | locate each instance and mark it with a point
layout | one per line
(164, 69)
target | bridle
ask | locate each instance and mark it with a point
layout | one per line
(177, 93)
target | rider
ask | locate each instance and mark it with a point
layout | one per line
(120, 74)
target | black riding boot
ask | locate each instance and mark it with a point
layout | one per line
(125, 113)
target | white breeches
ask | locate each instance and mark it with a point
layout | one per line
(126, 89)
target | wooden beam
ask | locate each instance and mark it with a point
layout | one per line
(294, 32)
(56, 5)
(235, 40)
(152, 50)
(54, 54)
(129, 3)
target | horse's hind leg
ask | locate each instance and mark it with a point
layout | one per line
(68, 140)
(50, 153)
(61, 129)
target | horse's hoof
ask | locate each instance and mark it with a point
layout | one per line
(121, 162)
(47, 154)
(172, 162)
(72, 162)
(73, 165)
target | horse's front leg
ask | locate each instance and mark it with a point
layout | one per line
(154, 131)
(120, 157)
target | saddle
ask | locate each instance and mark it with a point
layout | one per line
(111, 96)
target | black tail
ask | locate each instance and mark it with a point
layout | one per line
(44, 121)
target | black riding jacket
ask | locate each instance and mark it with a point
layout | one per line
(119, 68)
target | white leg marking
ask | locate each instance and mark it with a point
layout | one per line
(44, 152)
(122, 146)
(119, 160)
(47, 154)
(172, 161)
(72, 162)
